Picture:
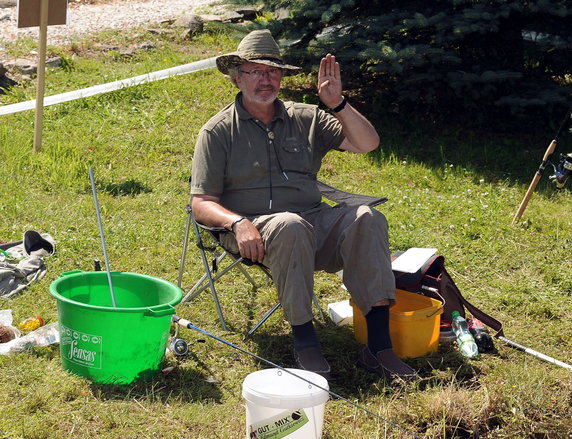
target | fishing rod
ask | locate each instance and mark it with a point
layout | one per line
(534, 353)
(559, 177)
(187, 324)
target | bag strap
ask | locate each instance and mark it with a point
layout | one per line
(476, 312)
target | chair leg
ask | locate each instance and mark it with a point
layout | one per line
(207, 280)
(184, 253)
(200, 285)
(263, 319)
(317, 304)
(275, 307)
(210, 278)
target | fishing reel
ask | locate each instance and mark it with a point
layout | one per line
(562, 171)
(178, 346)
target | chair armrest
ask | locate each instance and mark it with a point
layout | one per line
(212, 229)
(344, 198)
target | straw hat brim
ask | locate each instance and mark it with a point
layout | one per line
(225, 62)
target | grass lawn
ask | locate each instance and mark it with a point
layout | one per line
(453, 190)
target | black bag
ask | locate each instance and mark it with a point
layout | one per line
(433, 280)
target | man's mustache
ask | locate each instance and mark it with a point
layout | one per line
(266, 88)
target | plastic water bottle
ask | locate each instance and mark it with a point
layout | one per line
(482, 338)
(465, 340)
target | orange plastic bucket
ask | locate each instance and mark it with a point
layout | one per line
(413, 324)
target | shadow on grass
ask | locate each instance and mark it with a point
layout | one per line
(125, 188)
(188, 384)
(192, 384)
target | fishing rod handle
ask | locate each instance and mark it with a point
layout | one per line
(182, 322)
(549, 151)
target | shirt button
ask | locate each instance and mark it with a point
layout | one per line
(271, 135)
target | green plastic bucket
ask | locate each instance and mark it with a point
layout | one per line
(114, 345)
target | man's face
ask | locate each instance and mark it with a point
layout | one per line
(258, 82)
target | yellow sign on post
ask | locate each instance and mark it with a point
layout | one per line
(42, 13)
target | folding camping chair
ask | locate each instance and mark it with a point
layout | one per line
(213, 272)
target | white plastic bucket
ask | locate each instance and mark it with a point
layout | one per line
(281, 405)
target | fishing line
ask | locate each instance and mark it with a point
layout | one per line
(186, 324)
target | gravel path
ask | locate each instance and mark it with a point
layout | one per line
(85, 19)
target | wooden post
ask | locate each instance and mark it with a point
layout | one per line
(44, 8)
(42, 13)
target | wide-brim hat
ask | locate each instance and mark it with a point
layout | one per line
(259, 47)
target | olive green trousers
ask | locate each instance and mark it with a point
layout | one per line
(352, 239)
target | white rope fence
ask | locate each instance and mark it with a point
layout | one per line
(110, 86)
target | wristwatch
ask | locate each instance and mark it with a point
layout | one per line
(341, 106)
(235, 222)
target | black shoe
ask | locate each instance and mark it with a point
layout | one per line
(311, 359)
(386, 365)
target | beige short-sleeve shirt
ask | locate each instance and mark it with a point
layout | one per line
(257, 169)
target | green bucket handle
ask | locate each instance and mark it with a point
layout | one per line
(160, 312)
(67, 273)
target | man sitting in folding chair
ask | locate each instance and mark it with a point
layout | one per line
(254, 173)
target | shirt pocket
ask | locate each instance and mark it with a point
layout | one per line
(295, 155)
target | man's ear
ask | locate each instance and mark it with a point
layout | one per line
(237, 79)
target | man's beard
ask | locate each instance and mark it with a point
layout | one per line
(266, 98)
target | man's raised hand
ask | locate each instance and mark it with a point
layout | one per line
(330, 82)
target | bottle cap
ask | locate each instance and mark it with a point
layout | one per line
(455, 314)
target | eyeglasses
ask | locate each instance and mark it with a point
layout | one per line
(273, 73)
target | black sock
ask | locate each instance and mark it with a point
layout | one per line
(305, 336)
(378, 337)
